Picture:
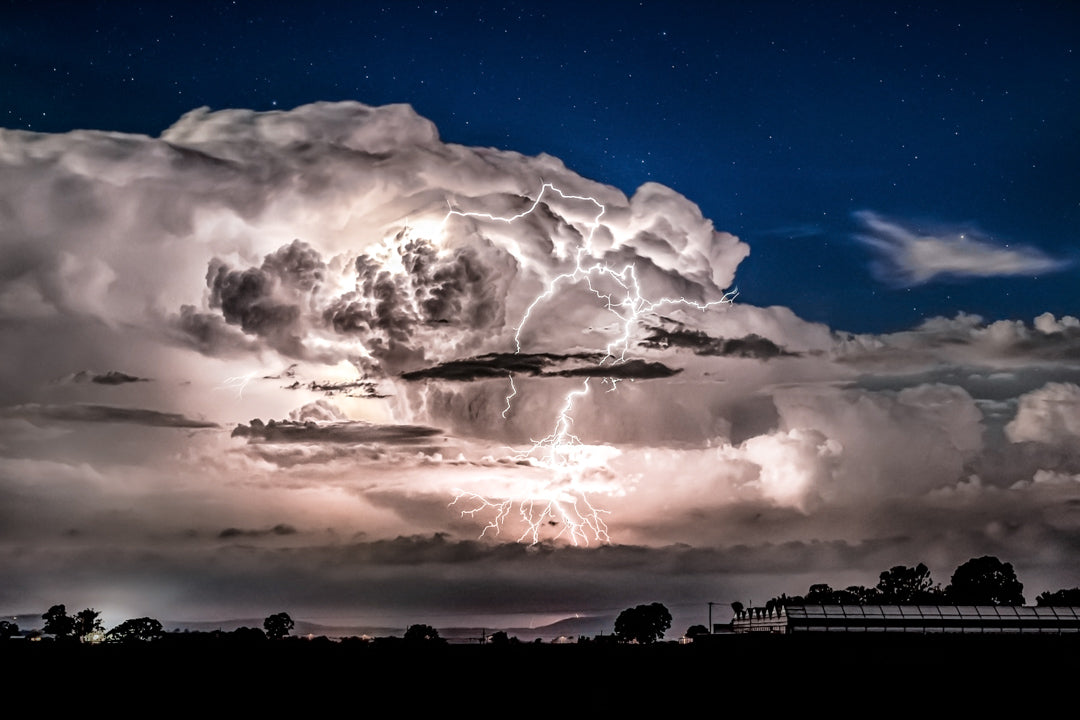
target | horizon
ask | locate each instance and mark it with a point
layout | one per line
(550, 626)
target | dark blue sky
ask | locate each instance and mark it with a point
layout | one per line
(780, 120)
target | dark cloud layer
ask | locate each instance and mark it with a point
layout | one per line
(500, 365)
(279, 530)
(635, 369)
(288, 431)
(112, 377)
(748, 346)
(351, 388)
(102, 414)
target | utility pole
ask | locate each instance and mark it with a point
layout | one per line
(710, 617)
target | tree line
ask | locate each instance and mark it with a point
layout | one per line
(984, 580)
(86, 626)
(643, 624)
(979, 581)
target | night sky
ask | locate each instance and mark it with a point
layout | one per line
(217, 215)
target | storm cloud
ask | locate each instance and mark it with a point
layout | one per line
(444, 314)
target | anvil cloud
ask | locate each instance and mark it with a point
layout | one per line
(309, 357)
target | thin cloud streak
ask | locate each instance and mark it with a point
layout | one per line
(908, 257)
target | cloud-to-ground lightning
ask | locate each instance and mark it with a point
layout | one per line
(561, 450)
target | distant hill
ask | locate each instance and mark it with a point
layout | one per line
(302, 627)
(574, 627)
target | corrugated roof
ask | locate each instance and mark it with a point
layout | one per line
(945, 618)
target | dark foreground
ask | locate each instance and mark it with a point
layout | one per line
(778, 672)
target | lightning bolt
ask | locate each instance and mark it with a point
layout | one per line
(239, 382)
(513, 392)
(561, 450)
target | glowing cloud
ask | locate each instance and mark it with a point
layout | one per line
(561, 451)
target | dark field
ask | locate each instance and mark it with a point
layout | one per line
(781, 672)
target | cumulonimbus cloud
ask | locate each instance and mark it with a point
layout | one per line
(908, 257)
(355, 247)
(320, 229)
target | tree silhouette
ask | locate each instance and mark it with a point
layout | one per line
(985, 581)
(822, 594)
(860, 595)
(247, 635)
(422, 634)
(1059, 598)
(782, 600)
(278, 625)
(142, 629)
(85, 622)
(58, 623)
(8, 629)
(902, 585)
(695, 630)
(643, 623)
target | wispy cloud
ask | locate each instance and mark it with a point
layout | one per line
(908, 257)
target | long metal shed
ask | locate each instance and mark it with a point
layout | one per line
(933, 619)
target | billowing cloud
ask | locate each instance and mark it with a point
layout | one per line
(909, 257)
(1048, 324)
(1049, 415)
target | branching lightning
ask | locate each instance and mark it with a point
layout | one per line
(561, 451)
(238, 382)
(536, 513)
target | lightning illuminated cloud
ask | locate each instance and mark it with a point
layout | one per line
(562, 452)
(417, 289)
(444, 360)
